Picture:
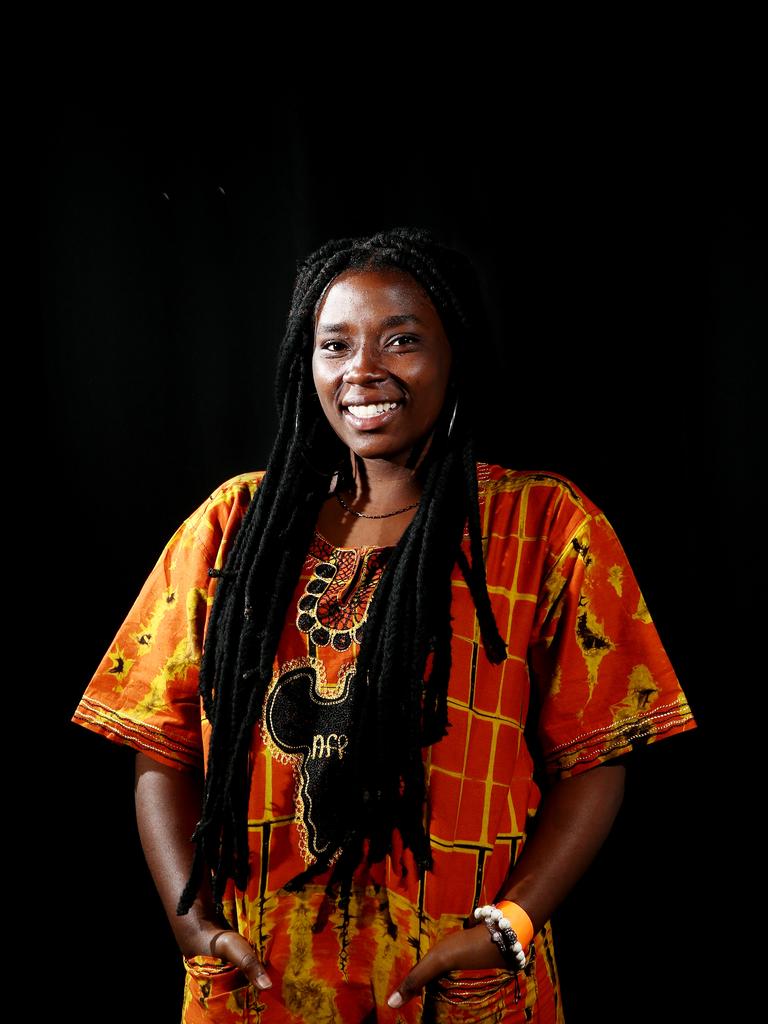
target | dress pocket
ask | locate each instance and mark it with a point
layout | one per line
(217, 992)
(479, 997)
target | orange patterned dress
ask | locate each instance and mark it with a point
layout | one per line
(586, 679)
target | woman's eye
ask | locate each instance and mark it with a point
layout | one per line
(332, 346)
(403, 339)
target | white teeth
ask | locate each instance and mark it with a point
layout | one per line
(367, 412)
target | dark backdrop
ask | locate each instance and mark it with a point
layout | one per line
(622, 259)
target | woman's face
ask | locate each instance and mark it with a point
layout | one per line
(381, 362)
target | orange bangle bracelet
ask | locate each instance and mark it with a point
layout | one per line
(522, 925)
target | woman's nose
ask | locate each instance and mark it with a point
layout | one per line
(365, 365)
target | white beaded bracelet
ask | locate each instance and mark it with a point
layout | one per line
(503, 934)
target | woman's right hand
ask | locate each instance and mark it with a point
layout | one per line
(168, 802)
(232, 946)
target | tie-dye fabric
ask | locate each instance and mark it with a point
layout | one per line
(586, 679)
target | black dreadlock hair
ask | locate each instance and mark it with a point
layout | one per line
(410, 613)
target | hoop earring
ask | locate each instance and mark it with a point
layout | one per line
(421, 456)
(453, 417)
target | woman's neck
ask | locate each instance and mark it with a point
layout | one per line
(380, 486)
(378, 489)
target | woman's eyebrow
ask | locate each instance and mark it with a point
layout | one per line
(390, 321)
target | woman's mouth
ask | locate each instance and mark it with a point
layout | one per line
(367, 417)
(367, 412)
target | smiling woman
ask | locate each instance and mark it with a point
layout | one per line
(381, 389)
(335, 672)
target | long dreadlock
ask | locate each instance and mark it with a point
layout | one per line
(409, 616)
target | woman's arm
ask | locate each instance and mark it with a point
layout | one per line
(573, 821)
(168, 805)
(576, 817)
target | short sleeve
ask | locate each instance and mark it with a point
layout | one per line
(605, 683)
(145, 691)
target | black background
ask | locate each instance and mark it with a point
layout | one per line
(621, 247)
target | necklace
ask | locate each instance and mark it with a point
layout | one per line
(362, 515)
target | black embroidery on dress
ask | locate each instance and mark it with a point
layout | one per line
(307, 722)
(335, 601)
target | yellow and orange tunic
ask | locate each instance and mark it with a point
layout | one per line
(586, 679)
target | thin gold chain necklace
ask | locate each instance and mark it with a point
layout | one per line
(362, 515)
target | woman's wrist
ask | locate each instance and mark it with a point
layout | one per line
(198, 936)
(511, 931)
(519, 920)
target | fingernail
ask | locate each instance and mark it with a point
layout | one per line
(395, 1000)
(263, 981)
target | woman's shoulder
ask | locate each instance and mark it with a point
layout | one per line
(243, 484)
(544, 487)
(220, 512)
(544, 510)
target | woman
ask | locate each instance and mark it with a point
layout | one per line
(393, 633)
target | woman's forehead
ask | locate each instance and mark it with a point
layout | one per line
(355, 286)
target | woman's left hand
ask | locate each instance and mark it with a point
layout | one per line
(574, 818)
(465, 950)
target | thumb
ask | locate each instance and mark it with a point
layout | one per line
(233, 946)
(413, 982)
(397, 999)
